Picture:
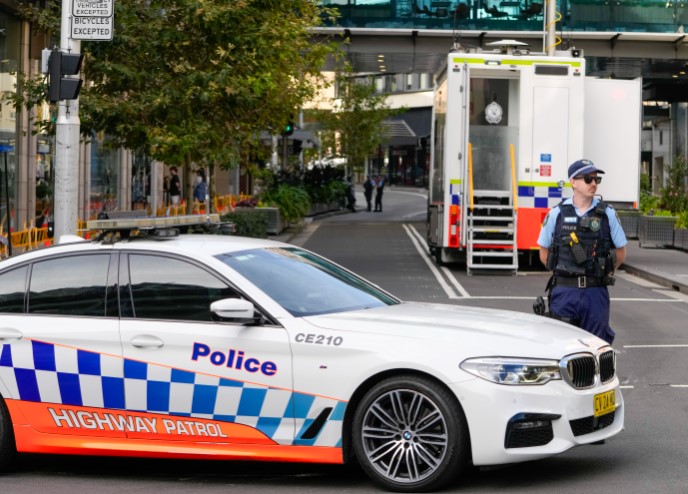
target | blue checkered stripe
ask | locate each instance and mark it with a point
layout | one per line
(540, 196)
(43, 372)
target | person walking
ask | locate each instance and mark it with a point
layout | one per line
(368, 188)
(379, 188)
(201, 188)
(582, 243)
(175, 187)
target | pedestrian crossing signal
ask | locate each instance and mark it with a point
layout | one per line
(59, 65)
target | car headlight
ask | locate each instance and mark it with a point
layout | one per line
(511, 370)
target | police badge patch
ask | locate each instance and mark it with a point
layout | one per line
(595, 224)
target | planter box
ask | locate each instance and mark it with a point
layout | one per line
(275, 224)
(323, 207)
(681, 238)
(629, 222)
(656, 231)
(273, 220)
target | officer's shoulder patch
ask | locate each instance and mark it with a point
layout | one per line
(595, 224)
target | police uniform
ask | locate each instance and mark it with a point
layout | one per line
(581, 255)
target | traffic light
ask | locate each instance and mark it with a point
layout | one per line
(297, 146)
(59, 65)
(288, 128)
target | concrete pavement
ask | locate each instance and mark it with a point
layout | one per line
(664, 266)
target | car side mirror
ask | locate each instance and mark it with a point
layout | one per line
(233, 309)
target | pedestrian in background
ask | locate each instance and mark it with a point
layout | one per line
(368, 188)
(583, 243)
(379, 188)
(201, 188)
(175, 187)
(350, 196)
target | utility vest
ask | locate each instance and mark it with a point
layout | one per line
(582, 246)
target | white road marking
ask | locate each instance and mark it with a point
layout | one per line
(450, 276)
(447, 289)
(683, 297)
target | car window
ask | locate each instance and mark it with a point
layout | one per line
(74, 285)
(167, 288)
(12, 290)
(305, 284)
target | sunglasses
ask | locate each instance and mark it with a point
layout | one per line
(589, 179)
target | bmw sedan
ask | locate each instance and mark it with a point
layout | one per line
(230, 348)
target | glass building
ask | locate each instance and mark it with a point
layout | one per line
(403, 42)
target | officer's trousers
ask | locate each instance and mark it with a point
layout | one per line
(589, 306)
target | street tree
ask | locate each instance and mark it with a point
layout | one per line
(193, 83)
(356, 125)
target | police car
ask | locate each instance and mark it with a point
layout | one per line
(222, 347)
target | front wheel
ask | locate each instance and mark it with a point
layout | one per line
(410, 435)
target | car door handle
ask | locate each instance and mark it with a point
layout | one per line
(9, 334)
(146, 341)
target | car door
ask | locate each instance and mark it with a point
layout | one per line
(61, 365)
(189, 378)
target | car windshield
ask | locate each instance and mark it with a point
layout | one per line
(305, 284)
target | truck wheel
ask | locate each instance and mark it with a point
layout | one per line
(410, 435)
(8, 450)
(438, 256)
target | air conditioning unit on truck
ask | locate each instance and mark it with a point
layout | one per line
(506, 126)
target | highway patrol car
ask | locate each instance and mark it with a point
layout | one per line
(221, 347)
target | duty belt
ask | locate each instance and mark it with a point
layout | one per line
(578, 281)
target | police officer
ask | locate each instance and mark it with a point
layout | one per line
(583, 243)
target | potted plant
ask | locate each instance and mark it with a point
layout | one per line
(290, 205)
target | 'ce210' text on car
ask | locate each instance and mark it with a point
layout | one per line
(220, 347)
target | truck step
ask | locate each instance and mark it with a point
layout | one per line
(492, 253)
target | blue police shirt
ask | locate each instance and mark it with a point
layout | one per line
(547, 231)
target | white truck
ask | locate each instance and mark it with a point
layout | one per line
(506, 126)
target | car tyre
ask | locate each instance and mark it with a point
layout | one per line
(8, 449)
(410, 435)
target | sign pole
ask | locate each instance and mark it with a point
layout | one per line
(67, 145)
(7, 203)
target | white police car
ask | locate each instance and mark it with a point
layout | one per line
(223, 347)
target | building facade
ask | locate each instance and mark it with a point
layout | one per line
(622, 39)
(400, 42)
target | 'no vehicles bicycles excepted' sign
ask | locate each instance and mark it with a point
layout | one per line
(92, 20)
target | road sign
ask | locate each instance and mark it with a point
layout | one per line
(92, 28)
(92, 20)
(94, 8)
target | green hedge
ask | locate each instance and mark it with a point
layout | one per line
(248, 223)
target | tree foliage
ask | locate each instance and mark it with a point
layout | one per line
(358, 117)
(194, 81)
(674, 196)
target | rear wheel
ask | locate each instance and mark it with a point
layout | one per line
(8, 449)
(410, 435)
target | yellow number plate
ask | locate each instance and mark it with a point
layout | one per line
(605, 403)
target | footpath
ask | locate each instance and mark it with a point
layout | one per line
(664, 266)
